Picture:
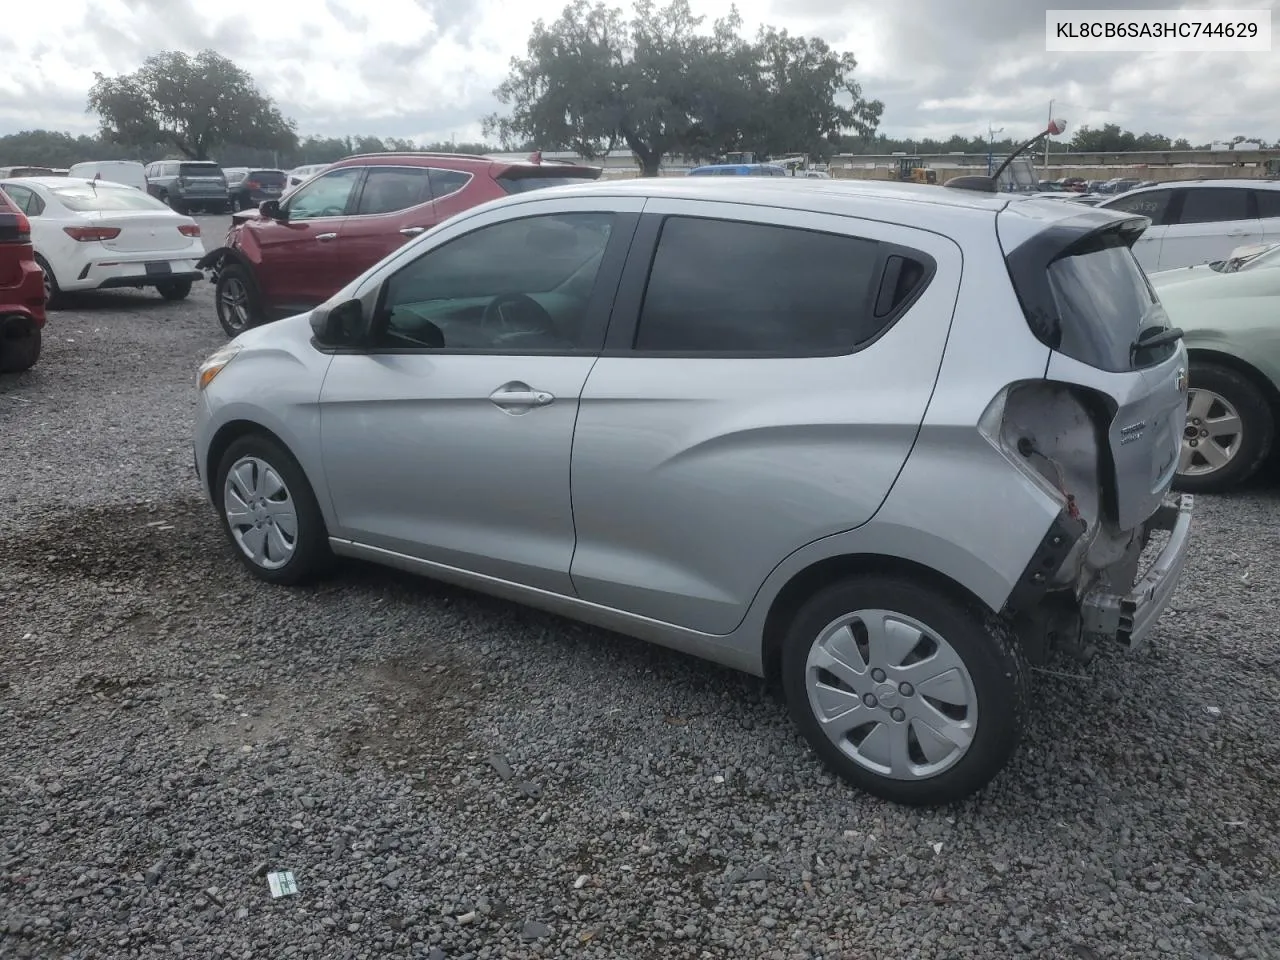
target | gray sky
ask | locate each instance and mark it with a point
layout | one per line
(426, 69)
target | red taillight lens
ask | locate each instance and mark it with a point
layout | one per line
(89, 234)
(24, 226)
(253, 184)
(189, 229)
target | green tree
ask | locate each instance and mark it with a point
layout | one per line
(805, 97)
(194, 104)
(594, 80)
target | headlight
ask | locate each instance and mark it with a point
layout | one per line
(214, 363)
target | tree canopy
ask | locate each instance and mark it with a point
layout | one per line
(191, 103)
(659, 84)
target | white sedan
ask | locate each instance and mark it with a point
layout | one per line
(94, 235)
(300, 175)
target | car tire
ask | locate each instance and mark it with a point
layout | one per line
(20, 343)
(274, 523)
(881, 698)
(174, 289)
(236, 301)
(52, 292)
(176, 205)
(1217, 392)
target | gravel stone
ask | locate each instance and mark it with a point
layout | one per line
(139, 813)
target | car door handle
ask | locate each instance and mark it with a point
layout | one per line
(326, 236)
(413, 231)
(517, 397)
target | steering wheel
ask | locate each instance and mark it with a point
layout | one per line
(502, 317)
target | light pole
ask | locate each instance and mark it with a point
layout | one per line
(991, 139)
(1046, 144)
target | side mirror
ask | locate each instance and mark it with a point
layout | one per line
(341, 325)
(271, 210)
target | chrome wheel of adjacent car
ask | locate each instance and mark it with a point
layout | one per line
(1229, 429)
(260, 512)
(891, 694)
(1212, 435)
(234, 300)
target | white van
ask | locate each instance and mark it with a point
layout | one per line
(128, 172)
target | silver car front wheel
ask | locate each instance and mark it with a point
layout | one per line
(260, 512)
(904, 690)
(270, 512)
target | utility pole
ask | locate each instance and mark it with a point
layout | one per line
(991, 139)
(1046, 143)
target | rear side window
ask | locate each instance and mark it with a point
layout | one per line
(388, 189)
(1214, 205)
(729, 287)
(1268, 203)
(446, 182)
(1084, 295)
(1152, 203)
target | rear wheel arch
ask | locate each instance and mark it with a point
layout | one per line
(1231, 362)
(822, 573)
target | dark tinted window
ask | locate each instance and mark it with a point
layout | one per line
(719, 286)
(1268, 203)
(199, 170)
(525, 184)
(1153, 204)
(518, 286)
(1214, 205)
(389, 189)
(27, 200)
(1104, 303)
(267, 178)
(445, 182)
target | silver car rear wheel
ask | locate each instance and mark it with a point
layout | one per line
(904, 687)
(891, 694)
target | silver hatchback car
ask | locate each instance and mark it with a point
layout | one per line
(885, 444)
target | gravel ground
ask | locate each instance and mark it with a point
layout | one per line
(449, 776)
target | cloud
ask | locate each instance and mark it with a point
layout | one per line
(427, 68)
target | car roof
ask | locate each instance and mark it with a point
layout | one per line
(51, 182)
(800, 191)
(1243, 182)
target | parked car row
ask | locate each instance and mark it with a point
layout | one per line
(98, 234)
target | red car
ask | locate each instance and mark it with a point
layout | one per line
(292, 254)
(21, 291)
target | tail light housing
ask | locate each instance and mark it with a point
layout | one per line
(91, 234)
(189, 229)
(21, 229)
(253, 184)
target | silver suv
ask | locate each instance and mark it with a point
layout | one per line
(885, 444)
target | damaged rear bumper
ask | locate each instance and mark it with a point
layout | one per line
(1128, 618)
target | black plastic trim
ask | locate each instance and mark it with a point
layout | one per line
(149, 280)
(1047, 559)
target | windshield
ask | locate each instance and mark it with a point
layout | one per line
(1254, 259)
(199, 170)
(89, 198)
